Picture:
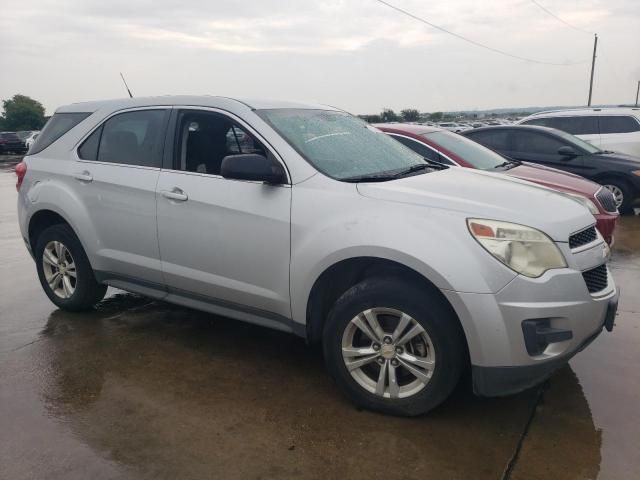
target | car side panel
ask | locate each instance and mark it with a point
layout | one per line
(356, 226)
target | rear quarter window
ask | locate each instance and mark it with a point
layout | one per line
(618, 124)
(55, 128)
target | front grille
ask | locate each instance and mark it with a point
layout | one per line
(596, 279)
(582, 238)
(607, 200)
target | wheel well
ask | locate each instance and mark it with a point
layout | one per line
(343, 275)
(602, 178)
(40, 221)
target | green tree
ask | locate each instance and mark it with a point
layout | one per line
(389, 115)
(436, 116)
(410, 115)
(22, 113)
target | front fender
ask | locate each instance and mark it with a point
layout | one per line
(432, 242)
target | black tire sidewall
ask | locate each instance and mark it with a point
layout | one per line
(87, 291)
(426, 308)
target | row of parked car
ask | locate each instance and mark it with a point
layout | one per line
(406, 267)
(17, 142)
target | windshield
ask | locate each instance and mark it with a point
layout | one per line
(571, 139)
(338, 144)
(471, 152)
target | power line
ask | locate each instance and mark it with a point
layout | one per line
(559, 19)
(473, 42)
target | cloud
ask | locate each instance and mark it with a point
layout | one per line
(345, 52)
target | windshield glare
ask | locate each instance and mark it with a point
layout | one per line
(471, 152)
(338, 144)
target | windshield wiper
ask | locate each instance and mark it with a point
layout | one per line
(508, 163)
(386, 176)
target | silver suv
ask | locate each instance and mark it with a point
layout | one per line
(305, 219)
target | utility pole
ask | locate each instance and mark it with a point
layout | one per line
(593, 66)
(637, 93)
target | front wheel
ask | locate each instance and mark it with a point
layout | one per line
(393, 347)
(64, 270)
(622, 193)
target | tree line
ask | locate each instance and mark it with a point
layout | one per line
(21, 112)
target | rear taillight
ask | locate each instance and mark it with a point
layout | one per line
(21, 171)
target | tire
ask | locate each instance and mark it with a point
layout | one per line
(625, 190)
(78, 294)
(443, 346)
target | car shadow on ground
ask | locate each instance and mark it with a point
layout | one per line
(161, 388)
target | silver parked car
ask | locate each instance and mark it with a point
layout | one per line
(305, 219)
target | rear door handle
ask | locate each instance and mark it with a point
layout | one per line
(83, 177)
(175, 194)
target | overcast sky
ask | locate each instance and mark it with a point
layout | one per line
(356, 54)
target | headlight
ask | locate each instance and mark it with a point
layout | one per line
(524, 249)
(585, 202)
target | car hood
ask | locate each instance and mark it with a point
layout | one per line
(487, 195)
(621, 159)
(556, 179)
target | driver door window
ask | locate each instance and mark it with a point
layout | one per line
(204, 139)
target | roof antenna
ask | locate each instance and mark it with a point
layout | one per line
(126, 86)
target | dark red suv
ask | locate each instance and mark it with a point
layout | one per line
(453, 149)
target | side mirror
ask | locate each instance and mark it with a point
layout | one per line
(252, 167)
(567, 152)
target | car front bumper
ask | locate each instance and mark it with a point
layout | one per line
(497, 381)
(606, 224)
(558, 303)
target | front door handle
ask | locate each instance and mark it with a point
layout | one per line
(85, 176)
(175, 194)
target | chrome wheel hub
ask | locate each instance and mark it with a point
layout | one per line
(388, 353)
(59, 269)
(617, 193)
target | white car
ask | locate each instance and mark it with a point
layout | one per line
(30, 140)
(453, 127)
(614, 129)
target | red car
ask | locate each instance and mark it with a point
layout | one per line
(452, 149)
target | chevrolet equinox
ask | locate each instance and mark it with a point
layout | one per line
(305, 219)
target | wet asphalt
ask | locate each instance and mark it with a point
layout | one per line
(143, 389)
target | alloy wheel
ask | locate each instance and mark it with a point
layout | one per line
(617, 193)
(59, 269)
(388, 353)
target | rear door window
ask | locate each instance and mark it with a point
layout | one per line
(618, 124)
(130, 138)
(55, 128)
(580, 125)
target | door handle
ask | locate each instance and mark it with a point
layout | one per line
(175, 194)
(83, 177)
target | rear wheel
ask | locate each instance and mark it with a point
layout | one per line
(64, 270)
(622, 193)
(393, 347)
